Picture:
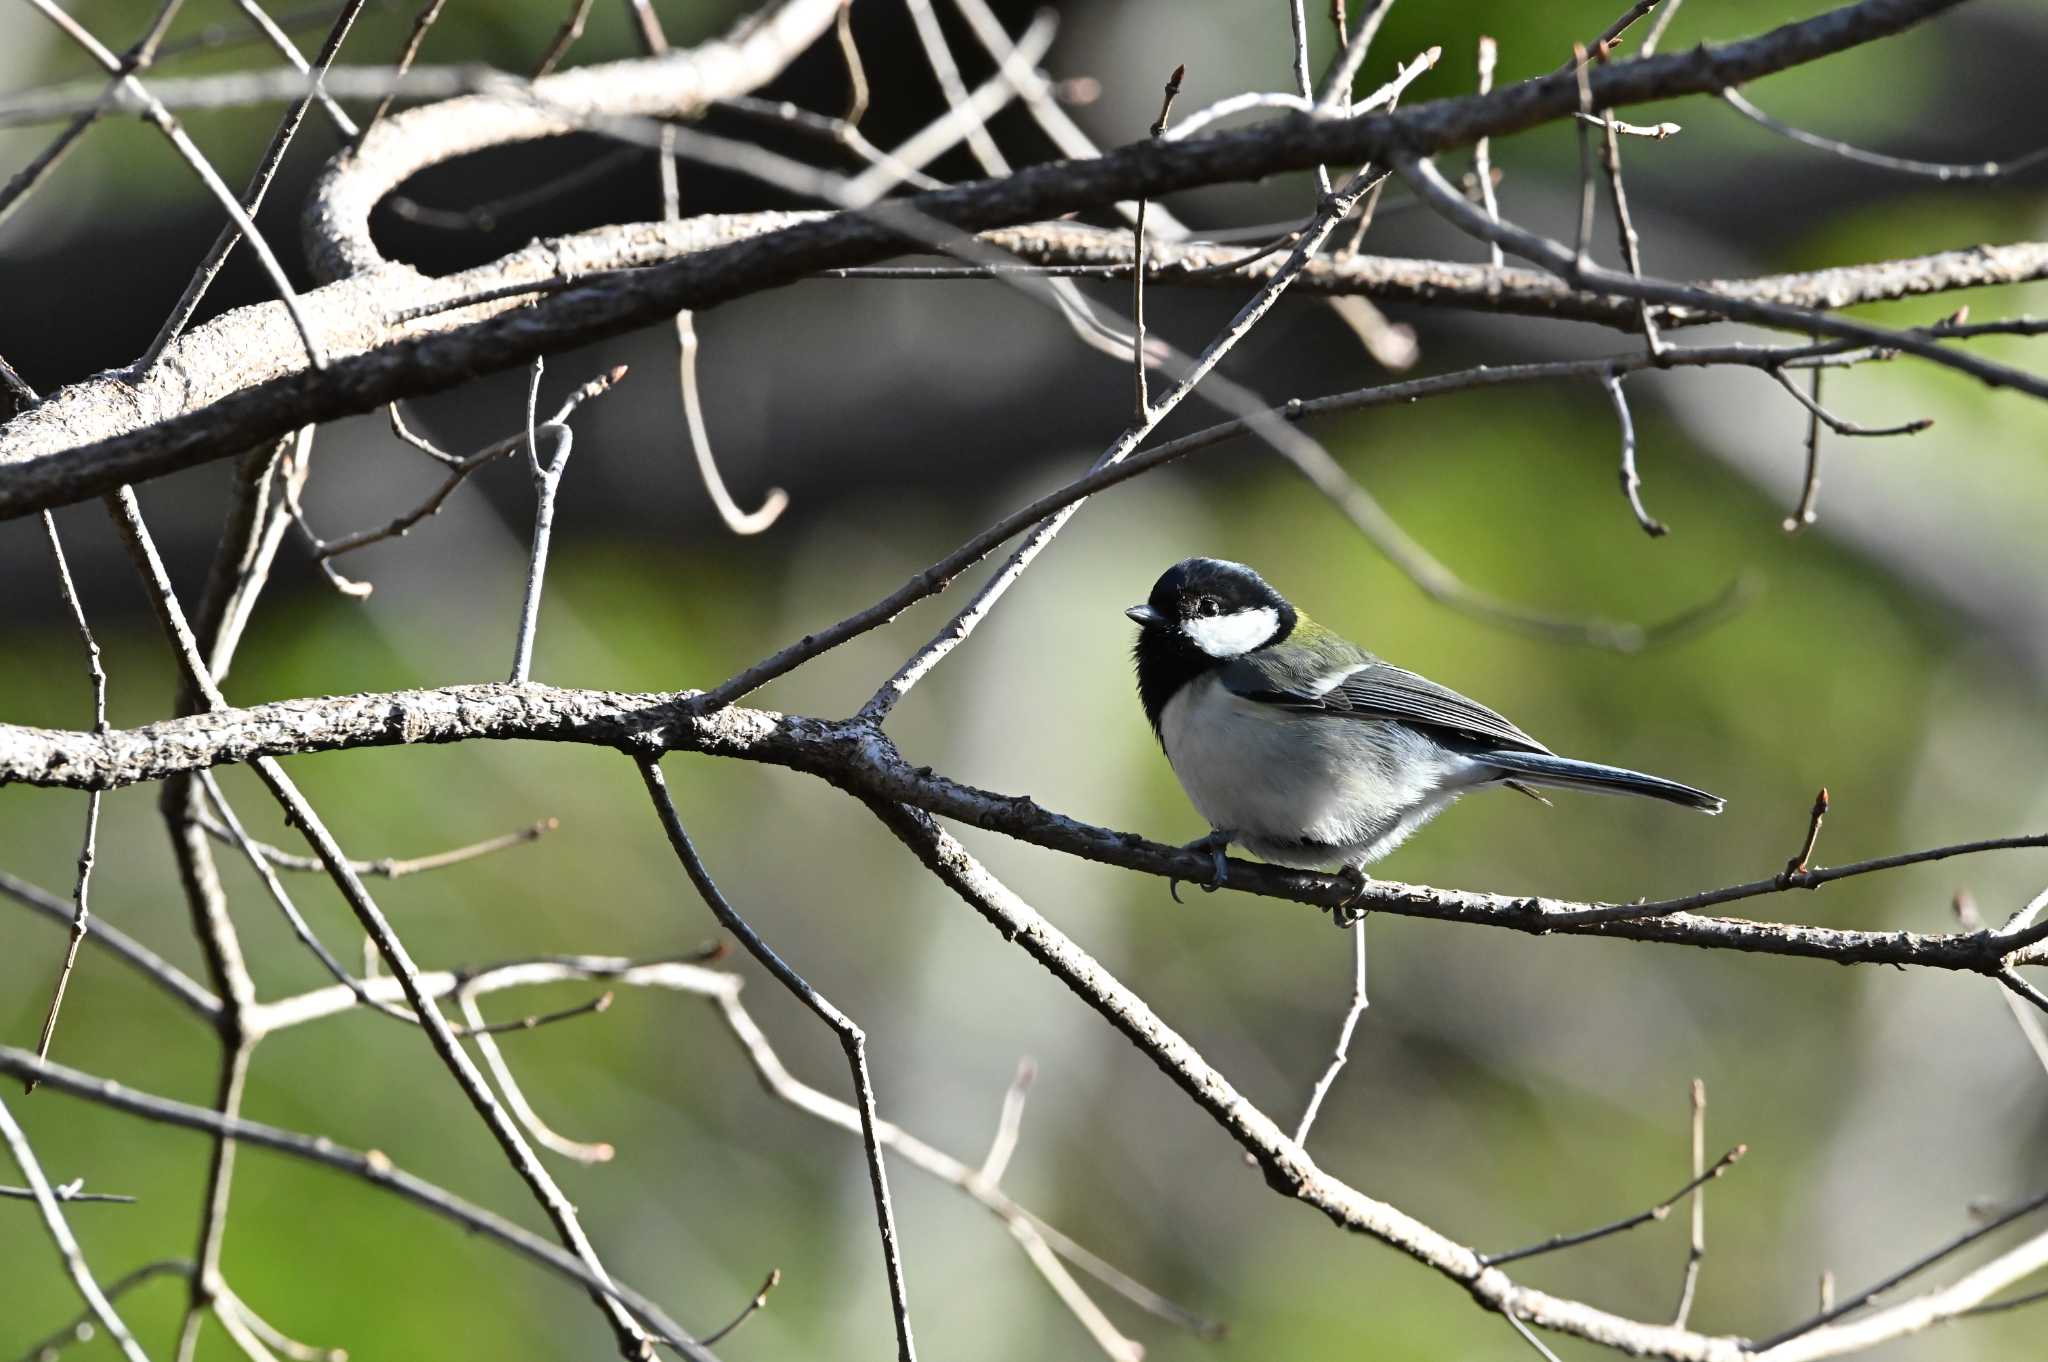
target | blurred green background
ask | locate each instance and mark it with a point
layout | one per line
(1501, 1087)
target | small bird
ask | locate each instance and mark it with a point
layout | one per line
(1307, 750)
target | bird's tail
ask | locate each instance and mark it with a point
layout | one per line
(1541, 768)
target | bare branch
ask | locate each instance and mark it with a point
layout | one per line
(565, 38)
(60, 1232)
(1933, 170)
(997, 1161)
(259, 182)
(1835, 423)
(1656, 1212)
(2037, 1248)
(161, 118)
(1631, 483)
(159, 971)
(81, 1326)
(81, 903)
(1350, 1024)
(851, 1038)
(262, 407)
(1482, 161)
(424, 20)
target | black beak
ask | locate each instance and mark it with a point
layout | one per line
(1145, 615)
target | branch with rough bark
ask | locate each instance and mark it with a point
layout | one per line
(244, 378)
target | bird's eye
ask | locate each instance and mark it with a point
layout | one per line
(1208, 606)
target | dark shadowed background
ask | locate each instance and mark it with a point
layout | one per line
(1502, 1087)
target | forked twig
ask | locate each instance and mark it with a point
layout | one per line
(1643, 1217)
(851, 1038)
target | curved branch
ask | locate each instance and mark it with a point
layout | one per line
(83, 442)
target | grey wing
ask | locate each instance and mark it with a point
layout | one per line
(1379, 691)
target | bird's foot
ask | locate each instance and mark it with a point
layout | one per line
(1348, 913)
(1215, 844)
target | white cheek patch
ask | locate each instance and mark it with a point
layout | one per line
(1235, 634)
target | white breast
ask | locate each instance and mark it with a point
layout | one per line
(1304, 789)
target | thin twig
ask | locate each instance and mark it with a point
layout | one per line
(300, 928)
(851, 1038)
(1297, 19)
(24, 181)
(1585, 236)
(1696, 1244)
(297, 466)
(939, 57)
(2028, 1021)
(1428, 181)
(174, 133)
(429, 12)
(1999, 1307)
(1343, 1051)
(1656, 33)
(1811, 401)
(72, 1191)
(273, 33)
(1797, 865)
(1933, 170)
(1529, 1337)
(1009, 1123)
(1141, 402)
(232, 1311)
(389, 867)
(1657, 1212)
(1631, 483)
(905, 162)
(80, 896)
(1603, 46)
(1651, 132)
(260, 180)
(547, 478)
(182, 987)
(1482, 160)
(856, 90)
(565, 38)
(60, 1233)
(775, 501)
(1625, 227)
(80, 1328)
(970, 615)
(1914, 1268)
(1807, 510)
(515, 1096)
(2017, 983)
(747, 1311)
(491, 213)
(254, 853)
(740, 521)
(463, 467)
(1336, 87)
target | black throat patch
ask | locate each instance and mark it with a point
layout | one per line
(1166, 660)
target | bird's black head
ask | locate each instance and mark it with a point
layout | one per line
(1202, 612)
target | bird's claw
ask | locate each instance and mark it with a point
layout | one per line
(1214, 844)
(1348, 913)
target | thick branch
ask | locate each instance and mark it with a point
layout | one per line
(84, 442)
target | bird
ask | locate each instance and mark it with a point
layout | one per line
(1308, 751)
